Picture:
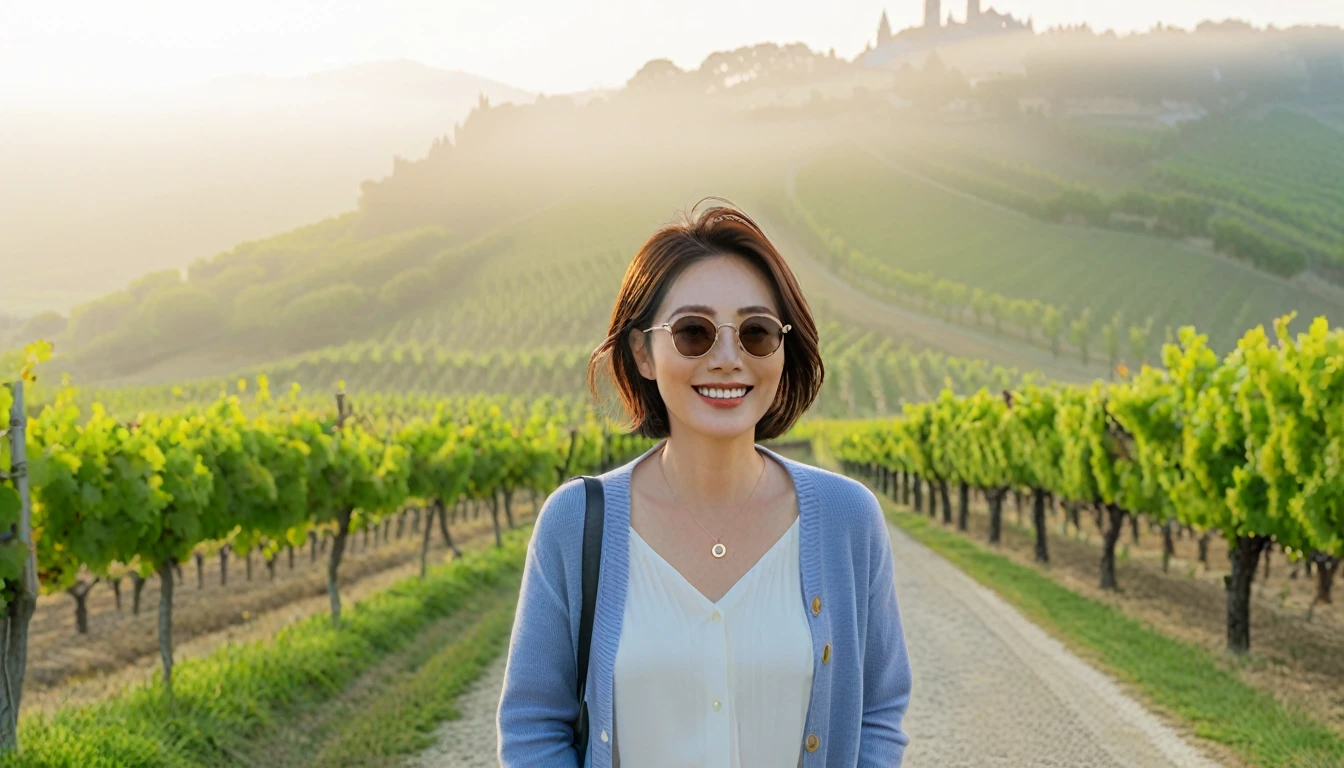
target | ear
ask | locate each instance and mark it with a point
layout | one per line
(640, 348)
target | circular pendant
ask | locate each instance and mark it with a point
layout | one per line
(719, 550)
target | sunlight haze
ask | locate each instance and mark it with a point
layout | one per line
(537, 46)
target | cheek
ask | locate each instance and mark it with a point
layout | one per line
(771, 374)
(672, 369)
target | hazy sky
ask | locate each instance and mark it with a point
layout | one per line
(546, 45)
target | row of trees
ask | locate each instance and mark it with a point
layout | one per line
(1195, 205)
(110, 495)
(1247, 446)
(1036, 321)
(868, 374)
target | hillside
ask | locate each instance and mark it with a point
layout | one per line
(949, 229)
(909, 221)
(155, 180)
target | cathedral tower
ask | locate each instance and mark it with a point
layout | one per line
(932, 10)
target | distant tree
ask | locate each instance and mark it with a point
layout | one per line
(1080, 332)
(981, 305)
(258, 308)
(999, 309)
(1052, 323)
(47, 325)
(657, 75)
(153, 282)
(1237, 238)
(325, 315)
(90, 320)
(230, 282)
(181, 315)
(1110, 339)
(1139, 336)
(1001, 95)
(409, 289)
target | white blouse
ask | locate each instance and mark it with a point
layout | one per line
(715, 684)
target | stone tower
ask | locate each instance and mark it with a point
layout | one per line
(932, 10)
(972, 11)
(883, 30)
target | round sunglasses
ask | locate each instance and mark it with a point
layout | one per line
(694, 335)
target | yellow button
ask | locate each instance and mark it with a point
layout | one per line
(812, 742)
(717, 705)
(714, 617)
(826, 653)
(816, 605)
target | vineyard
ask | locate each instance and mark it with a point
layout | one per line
(911, 238)
(1242, 448)
(868, 374)
(1278, 174)
(113, 498)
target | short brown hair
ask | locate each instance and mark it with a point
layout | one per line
(719, 230)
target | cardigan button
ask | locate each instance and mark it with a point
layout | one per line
(816, 605)
(826, 654)
(812, 742)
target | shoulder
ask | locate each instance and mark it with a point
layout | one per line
(559, 522)
(845, 502)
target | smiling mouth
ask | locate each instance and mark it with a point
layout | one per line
(723, 393)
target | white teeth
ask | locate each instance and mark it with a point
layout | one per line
(725, 394)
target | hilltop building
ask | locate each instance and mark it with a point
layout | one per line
(931, 13)
(893, 49)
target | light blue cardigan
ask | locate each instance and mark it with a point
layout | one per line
(859, 695)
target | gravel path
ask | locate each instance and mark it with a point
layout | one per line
(991, 689)
(470, 741)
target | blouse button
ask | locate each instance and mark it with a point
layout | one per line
(816, 605)
(714, 617)
(604, 735)
(717, 705)
(826, 654)
(812, 742)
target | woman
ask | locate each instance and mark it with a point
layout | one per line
(746, 610)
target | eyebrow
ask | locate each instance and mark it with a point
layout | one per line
(704, 310)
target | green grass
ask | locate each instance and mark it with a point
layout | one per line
(917, 226)
(247, 690)
(402, 717)
(1187, 681)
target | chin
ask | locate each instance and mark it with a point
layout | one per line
(724, 427)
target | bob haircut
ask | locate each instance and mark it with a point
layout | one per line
(718, 231)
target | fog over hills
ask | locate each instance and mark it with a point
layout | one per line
(99, 191)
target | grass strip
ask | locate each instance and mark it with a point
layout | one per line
(404, 716)
(1185, 680)
(242, 689)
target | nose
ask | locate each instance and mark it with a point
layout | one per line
(726, 354)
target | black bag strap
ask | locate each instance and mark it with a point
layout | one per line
(592, 559)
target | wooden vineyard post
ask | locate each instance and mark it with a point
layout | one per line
(20, 611)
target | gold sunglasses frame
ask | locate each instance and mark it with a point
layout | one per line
(736, 334)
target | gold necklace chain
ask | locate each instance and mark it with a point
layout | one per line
(718, 550)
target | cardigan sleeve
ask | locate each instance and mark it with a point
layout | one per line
(886, 664)
(538, 702)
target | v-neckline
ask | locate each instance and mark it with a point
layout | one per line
(723, 601)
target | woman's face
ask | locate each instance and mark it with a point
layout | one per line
(719, 288)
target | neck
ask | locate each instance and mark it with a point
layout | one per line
(713, 477)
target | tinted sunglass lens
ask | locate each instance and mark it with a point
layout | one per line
(760, 336)
(693, 336)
